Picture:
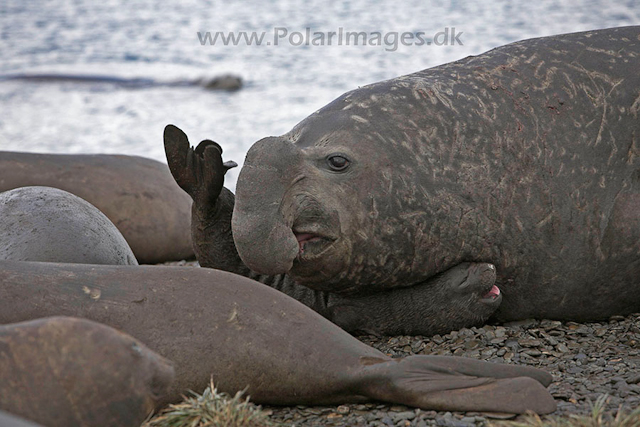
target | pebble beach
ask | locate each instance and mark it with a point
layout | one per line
(587, 361)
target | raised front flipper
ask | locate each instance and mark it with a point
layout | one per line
(198, 171)
(462, 296)
(458, 384)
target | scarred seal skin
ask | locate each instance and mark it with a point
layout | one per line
(62, 371)
(526, 157)
(136, 194)
(51, 225)
(243, 334)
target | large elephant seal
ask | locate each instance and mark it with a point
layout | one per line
(136, 194)
(64, 372)
(462, 296)
(51, 225)
(526, 157)
(243, 334)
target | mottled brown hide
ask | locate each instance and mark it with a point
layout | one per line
(138, 195)
(525, 157)
(64, 372)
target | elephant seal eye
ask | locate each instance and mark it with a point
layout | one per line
(338, 163)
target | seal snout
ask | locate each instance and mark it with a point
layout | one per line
(487, 274)
(162, 377)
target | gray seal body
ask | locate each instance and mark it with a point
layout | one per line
(51, 225)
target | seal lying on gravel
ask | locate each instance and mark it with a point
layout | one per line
(527, 156)
(214, 323)
(136, 194)
(65, 372)
(51, 225)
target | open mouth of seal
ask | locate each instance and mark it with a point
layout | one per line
(311, 244)
(492, 295)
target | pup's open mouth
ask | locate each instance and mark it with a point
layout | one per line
(493, 293)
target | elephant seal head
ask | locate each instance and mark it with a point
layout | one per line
(327, 202)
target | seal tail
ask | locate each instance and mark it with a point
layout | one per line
(200, 171)
(460, 384)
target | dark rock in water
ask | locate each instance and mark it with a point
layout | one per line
(224, 82)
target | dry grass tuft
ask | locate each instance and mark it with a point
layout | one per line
(597, 418)
(212, 409)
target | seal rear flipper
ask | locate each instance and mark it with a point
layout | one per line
(510, 395)
(479, 368)
(433, 383)
(200, 171)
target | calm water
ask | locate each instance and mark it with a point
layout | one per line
(284, 83)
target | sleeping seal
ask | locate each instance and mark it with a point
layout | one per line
(61, 371)
(51, 225)
(246, 335)
(138, 195)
